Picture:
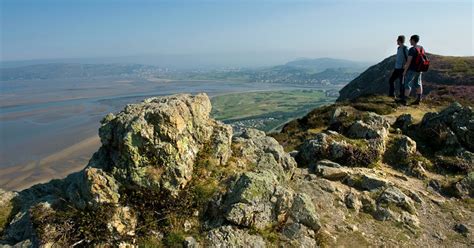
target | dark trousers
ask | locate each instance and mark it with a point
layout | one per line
(396, 74)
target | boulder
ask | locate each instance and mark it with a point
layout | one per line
(352, 201)
(229, 236)
(465, 187)
(338, 148)
(304, 212)
(394, 196)
(298, 235)
(366, 182)
(373, 126)
(405, 148)
(123, 222)
(403, 122)
(92, 186)
(155, 143)
(332, 173)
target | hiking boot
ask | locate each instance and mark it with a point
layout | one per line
(416, 102)
(403, 102)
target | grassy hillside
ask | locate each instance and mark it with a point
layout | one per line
(452, 72)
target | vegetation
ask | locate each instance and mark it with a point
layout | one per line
(68, 225)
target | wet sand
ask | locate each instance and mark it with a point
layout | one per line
(48, 129)
(54, 166)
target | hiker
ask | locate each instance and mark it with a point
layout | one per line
(402, 55)
(416, 64)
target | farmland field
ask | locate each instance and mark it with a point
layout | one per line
(267, 110)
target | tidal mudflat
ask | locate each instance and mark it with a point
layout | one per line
(48, 128)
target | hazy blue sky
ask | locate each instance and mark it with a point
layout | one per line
(272, 30)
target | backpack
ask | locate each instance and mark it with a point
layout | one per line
(422, 63)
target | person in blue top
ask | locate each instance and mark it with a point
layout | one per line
(402, 55)
(411, 76)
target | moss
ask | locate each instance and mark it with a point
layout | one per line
(149, 242)
(174, 239)
(270, 234)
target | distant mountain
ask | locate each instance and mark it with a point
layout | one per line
(321, 64)
(446, 71)
(75, 70)
(322, 71)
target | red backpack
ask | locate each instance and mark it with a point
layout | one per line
(422, 63)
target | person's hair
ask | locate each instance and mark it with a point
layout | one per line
(401, 38)
(415, 38)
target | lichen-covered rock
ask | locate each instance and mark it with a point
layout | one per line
(340, 149)
(465, 187)
(454, 126)
(6, 207)
(264, 152)
(403, 122)
(366, 182)
(250, 200)
(405, 148)
(298, 235)
(304, 212)
(394, 196)
(92, 186)
(332, 173)
(155, 143)
(373, 126)
(352, 201)
(123, 222)
(229, 236)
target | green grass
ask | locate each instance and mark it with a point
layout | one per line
(241, 105)
(272, 108)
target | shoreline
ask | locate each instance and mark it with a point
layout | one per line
(53, 166)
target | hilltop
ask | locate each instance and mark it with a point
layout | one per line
(357, 174)
(448, 77)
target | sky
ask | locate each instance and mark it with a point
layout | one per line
(231, 31)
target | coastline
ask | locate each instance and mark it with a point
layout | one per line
(54, 166)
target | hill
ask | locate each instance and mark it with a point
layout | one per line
(446, 74)
(169, 175)
(321, 64)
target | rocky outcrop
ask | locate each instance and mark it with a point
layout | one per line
(360, 144)
(155, 143)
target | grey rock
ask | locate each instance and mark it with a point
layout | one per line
(461, 228)
(373, 126)
(332, 173)
(395, 196)
(403, 122)
(190, 242)
(352, 201)
(23, 244)
(229, 236)
(154, 143)
(465, 187)
(304, 212)
(405, 148)
(298, 235)
(327, 163)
